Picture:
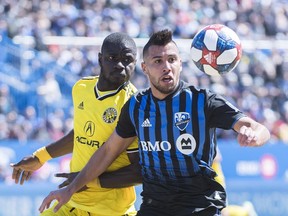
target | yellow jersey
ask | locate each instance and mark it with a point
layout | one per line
(95, 117)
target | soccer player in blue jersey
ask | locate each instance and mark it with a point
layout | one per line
(175, 123)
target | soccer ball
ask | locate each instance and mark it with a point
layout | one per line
(216, 49)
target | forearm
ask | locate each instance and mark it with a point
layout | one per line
(124, 177)
(97, 164)
(100, 161)
(62, 146)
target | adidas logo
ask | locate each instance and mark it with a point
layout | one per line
(209, 58)
(81, 105)
(217, 195)
(146, 123)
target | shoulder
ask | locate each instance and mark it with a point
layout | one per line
(142, 93)
(90, 78)
(136, 98)
(130, 88)
(200, 94)
(194, 89)
(87, 80)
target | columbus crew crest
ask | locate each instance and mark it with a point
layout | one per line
(110, 115)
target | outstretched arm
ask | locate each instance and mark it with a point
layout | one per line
(250, 132)
(103, 158)
(23, 170)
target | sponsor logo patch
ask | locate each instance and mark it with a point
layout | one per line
(186, 144)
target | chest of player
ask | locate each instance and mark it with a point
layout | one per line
(96, 119)
(174, 125)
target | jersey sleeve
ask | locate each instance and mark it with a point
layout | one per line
(133, 147)
(125, 127)
(221, 113)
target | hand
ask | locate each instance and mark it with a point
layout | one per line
(247, 137)
(23, 169)
(62, 196)
(70, 177)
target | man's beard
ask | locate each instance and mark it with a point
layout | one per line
(164, 90)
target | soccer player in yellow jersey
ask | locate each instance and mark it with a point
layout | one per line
(97, 104)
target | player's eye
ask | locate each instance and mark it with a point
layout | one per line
(158, 61)
(110, 58)
(172, 60)
(128, 60)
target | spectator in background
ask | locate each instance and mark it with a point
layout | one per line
(50, 91)
(55, 124)
(32, 123)
(4, 128)
(16, 127)
(6, 100)
(6, 155)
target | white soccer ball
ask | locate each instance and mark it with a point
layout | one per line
(216, 49)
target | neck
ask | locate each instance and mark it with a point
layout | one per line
(160, 95)
(104, 85)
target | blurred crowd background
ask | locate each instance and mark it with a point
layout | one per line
(36, 77)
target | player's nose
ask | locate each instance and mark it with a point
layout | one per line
(120, 65)
(166, 66)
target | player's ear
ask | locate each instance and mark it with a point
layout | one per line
(181, 65)
(100, 59)
(143, 65)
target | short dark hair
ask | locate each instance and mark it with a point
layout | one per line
(119, 38)
(159, 38)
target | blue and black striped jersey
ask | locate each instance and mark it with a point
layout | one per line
(177, 134)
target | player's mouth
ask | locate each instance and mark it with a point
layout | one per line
(167, 79)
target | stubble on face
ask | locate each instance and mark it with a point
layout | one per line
(163, 89)
(164, 77)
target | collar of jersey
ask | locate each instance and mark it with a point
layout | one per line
(104, 94)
